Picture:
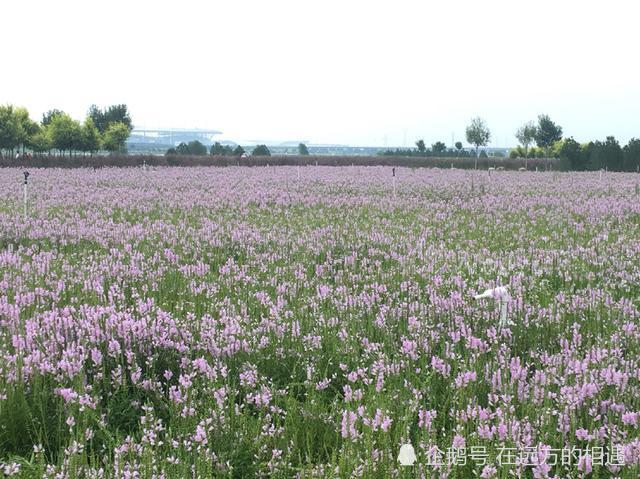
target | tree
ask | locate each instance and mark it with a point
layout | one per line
(90, 136)
(458, 146)
(607, 154)
(217, 149)
(261, 150)
(547, 133)
(631, 153)
(526, 135)
(40, 141)
(438, 148)
(65, 133)
(48, 116)
(303, 150)
(197, 148)
(10, 128)
(239, 151)
(422, 148)
(112, 114)
(570, 154)
(478, 134)
(115, 137)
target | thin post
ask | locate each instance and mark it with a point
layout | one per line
(24, 191)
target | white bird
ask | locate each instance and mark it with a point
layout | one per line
(500, 293)
(407, 456)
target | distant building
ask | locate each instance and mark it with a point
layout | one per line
(151, 140)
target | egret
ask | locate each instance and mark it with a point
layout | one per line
(500, 294)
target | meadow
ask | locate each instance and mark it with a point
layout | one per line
(309, 321)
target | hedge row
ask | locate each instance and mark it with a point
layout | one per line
(179, 160)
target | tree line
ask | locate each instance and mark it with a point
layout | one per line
(547, 137)
(196, 148)
(103, 129)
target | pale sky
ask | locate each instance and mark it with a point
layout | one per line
(350, 72)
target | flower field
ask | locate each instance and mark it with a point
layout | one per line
(308, 321)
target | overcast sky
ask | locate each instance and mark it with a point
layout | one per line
(351, 72)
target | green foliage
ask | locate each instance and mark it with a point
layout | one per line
(110, 115)
(261, 150)
(192, 148)
(607, 154)
(458, 145)
(11, 130)
(303, 150)
(438, 147)
(48, 116)
(115, 137)
(526, 135)
(65, 133)
(421, 146)
(478, 133)
(218, 149)
(238, 151)
(631, 154)
(41, 141)
(90, 136)
(547, 132)
(571, 155)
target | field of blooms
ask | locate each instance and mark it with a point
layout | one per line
(309, 321)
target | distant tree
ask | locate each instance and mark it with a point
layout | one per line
(90, 136)
(65, 133)
(48, 116)
(217, 149)
(438, 148)
(197, 148)
(458, 146)
(526, 135)
(238, 151)
(40, 141)
(115, 137)
(303, 150)
(570, 154)
(547, 133)
(478, 134)
(112, 114)
(171, 151)
(607, 154)
(631, 153)
(11, 130)
(422, 148)
(261, 150)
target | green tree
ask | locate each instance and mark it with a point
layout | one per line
(115, 137)
(422, 148)
(570, 154)
(217, 149)
(478, 134)
(65, 133)
(11, 130)
(438, 148)
(238, 151)
(41, 141)
(526, 135)
(303, 150)
(631, 153)
(102, 118)
(90, 136)
(196, 148)
(458, 146)
(48, 116)
(547, 133)
(607, 154)
(261, 150)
